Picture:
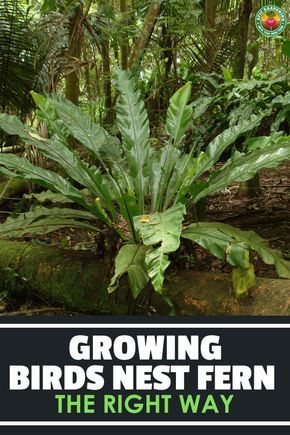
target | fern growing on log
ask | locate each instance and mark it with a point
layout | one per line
(139, 192)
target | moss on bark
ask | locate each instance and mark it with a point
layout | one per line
(76, 279)
(211, 294)
(79, 280)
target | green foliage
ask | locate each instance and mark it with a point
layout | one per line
(43, 220)
(20, 167)
(236, 101)
(227, 75)
(12, 284)
(54, 5)
(131, 260)
(243, 279)
(162, 229)
(231, 244)
(18, 46)
(169, 165)
(63, 118)
(244, 168)
(48, 196)
(286, 47)
(228, 137)
(140, 192)
(179, 114)
(134, 127)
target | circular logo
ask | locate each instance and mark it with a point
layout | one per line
(271, 20)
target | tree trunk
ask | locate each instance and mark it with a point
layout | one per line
(146, 32)
(252, 55)
(124, 43)
(242, 30)
(79, 280)
(87, 73)
(241, 33)
(75, 31)
(210, 29)
(107, 82)
(167, 53)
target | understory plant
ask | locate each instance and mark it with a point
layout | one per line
(137, 190)
(233, 101)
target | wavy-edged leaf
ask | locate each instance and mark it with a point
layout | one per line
(20, 167)
(78, 123)
(216, 147)
(244, 168)
(180, 185)
(231, 244)
(219, 243)
(131, 260)
(159, 165)
(43, 220)
(105, 148)
(98, 184)
(48, 196)
(89, 177)
(12, 125)
(261, 142)
(133, 124)
(162, 230)
(243, 279)
(179, 114)
(181, 176)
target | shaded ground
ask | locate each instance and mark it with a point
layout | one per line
(267, 213)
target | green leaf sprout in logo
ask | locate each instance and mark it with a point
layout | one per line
(271, 20)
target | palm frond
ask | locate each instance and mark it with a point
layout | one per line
(18, 70)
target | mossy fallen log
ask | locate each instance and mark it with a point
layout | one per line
(211, 294)
(75, 279)
(79, 280)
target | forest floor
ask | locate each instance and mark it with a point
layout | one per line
(267, 213)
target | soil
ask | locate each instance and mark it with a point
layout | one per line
(267, 213)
